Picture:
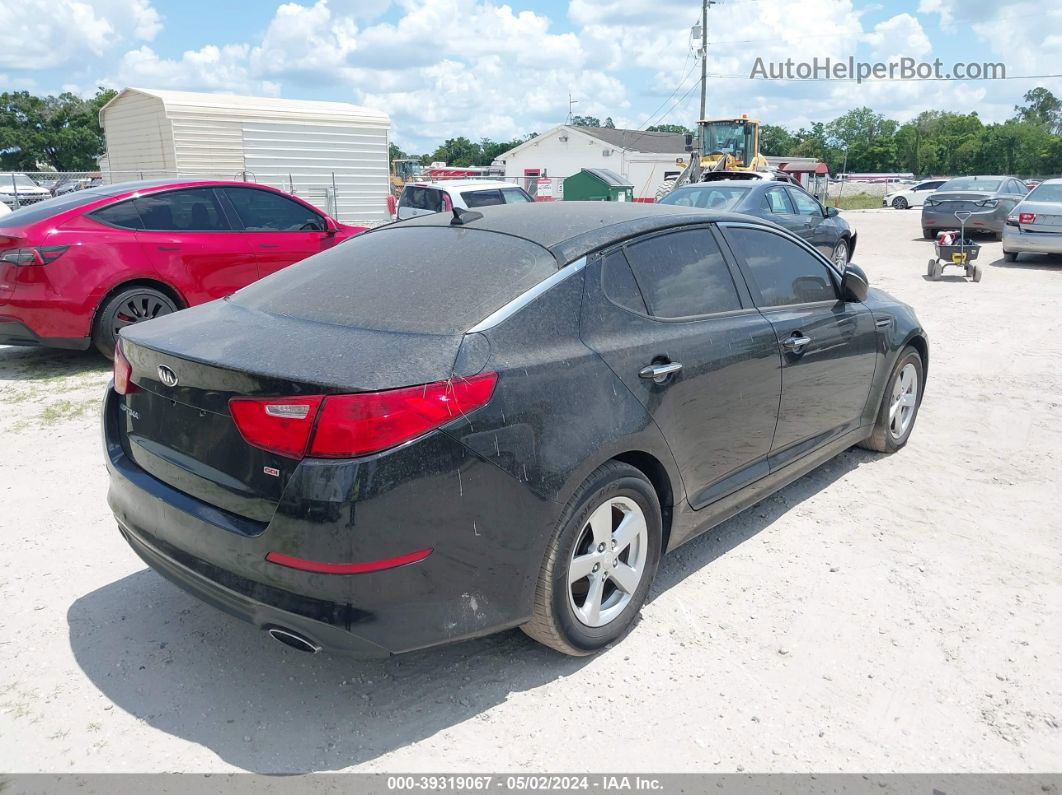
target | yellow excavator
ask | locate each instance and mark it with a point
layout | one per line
(730, 145)
(403, 171)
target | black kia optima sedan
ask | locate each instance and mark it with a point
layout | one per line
(454, 425)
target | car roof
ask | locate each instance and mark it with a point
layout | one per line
(461, 184)
(570, 230)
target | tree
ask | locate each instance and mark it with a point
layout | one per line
(457, 152)
(61, 132)
(609, 124)
(585, 121)
(1041, 107)
(776, 141)
(678, 129)
(395, 153)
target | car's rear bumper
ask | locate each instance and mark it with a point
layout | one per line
(1017, 241)
(486, 531)
(941, 217)
(15, 332)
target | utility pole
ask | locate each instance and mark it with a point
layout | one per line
(704, 67)
(571, 102)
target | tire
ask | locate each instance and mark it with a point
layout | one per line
(563, 606)
(933, 270)
(841, 254)
(977, 272)
(929, 234)
(665, 188)
(131, 305)
(900, 203)
(889, 436)
(1010, 256)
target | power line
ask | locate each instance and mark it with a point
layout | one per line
(681, 83)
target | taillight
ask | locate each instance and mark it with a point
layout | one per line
(123, 372)
(1027, 218)
(42, 255)
(344, 426)
(280, 425)
(368, 422)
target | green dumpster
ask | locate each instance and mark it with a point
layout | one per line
(598, 185)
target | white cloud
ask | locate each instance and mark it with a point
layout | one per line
(208, 69)
(899, 36)
(45, 34)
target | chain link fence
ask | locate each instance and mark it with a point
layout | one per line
(22, 188)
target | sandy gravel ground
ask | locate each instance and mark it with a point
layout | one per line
(882, 614)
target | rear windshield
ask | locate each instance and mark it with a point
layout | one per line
(1046, 193)
(32, 213)
(716, 197)
(424, 280)
(972, 183)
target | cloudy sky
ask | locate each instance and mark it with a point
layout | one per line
(472, 67)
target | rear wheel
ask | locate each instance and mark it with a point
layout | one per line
(976, 275)
(128, 307)
(933, 270)
(900, 203)
(899, 404)
(1010, 256)
(600, 563)
(929, 234)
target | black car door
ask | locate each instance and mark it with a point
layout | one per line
(677, 326)
(828, 346)
(813, 228)
(776, 205)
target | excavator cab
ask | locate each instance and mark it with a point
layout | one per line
(736, 139)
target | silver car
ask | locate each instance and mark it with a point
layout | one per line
(1035, 224)
(989, 199)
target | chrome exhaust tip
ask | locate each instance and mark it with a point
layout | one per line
(293, 640)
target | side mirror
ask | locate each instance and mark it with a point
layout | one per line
(832, 212)
(854, 283)
(331, 227)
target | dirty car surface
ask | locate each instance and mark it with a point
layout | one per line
(440, 430)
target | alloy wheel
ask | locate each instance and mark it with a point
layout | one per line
(608, 562)
(904, 401)
(139, 307)
(840, 255)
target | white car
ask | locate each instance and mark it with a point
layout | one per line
(425, 198)
(1034, 226)
(18, 189)
(914, 196)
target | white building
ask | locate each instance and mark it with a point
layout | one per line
(331, 154)
(644, 158)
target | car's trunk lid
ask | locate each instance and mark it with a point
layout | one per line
(1048, 216)
(183, 433)
(960, 200)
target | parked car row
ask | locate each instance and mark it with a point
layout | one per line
(989, 199)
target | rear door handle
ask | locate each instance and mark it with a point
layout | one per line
(169, 248)
(796, 342)
(268, 245)
(660, 371)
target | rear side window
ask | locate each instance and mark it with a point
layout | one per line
(482, 198)
(265, 211)
(683, 274)
(782, 272)
(122, 214)
(193, 210)
(620, 286)
(426, 280)
(422, 199)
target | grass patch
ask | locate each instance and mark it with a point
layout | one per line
(63, 410)
(855, 201)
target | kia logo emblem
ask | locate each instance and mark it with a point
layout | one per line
(167, 376)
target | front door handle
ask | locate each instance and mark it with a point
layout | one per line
(268, 245)
(660, 371)
(795, 343)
